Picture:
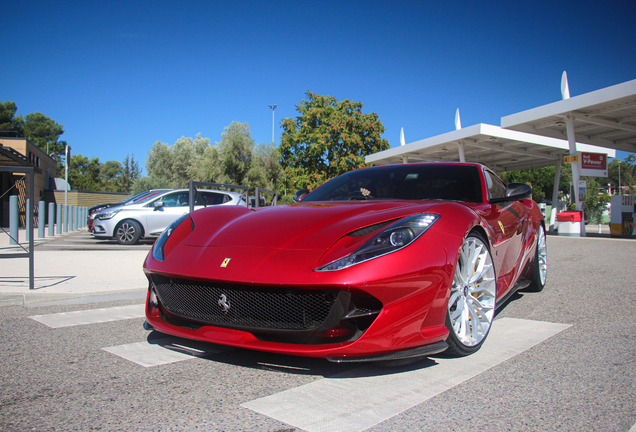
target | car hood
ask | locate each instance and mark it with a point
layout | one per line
(302, 226)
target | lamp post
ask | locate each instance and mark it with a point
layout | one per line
(67, 150)
(273, 107)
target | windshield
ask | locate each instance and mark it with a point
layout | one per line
(147, 198)
(404, 182)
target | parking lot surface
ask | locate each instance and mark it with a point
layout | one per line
(563, 359)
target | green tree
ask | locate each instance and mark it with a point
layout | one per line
(84, 173)
(229, 160)
(235, 152)
(541, 180)
(233, 160)
(130, 173)
(109, 174)
(143, 184)
(159, 161)
(9, 122)
(174, 163)
(328, 138)
(185, 151)
(627, 176)
(596, 201)
(208, 167)
(44, 132)
(266, 170)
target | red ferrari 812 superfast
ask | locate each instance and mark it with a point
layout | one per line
(383, 263)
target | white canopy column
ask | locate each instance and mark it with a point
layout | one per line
(555, 195)
(569, 129)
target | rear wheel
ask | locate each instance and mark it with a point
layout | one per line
(539, 272)
(471, 304)
(128, 232)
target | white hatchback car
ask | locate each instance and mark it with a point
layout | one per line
(149, 217)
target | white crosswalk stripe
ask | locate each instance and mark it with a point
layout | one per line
(91, 316)
(162, 351)
(363, 397)
(147, 353)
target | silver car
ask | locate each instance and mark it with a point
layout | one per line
(149, 217)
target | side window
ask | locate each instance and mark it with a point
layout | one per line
(496, 188)
(175, 199)
(214, 198)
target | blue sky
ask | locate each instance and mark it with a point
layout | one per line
(121, 75)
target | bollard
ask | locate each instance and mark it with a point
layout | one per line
(65, 222)
(14, 221)
(72, 218)
(29, 217)
(51, 219)
(41, 218)
(58, 219)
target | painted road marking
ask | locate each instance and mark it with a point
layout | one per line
(91, 316)
(363, 397)
(163, 351)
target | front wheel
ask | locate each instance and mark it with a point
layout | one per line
(128, 232)
(471, 304)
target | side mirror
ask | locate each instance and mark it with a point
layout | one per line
(514, 192)
(300, 195)
(158, 205)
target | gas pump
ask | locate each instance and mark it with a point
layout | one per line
(622, 216)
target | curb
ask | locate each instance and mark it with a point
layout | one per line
(51, 299)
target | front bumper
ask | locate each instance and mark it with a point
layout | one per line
(103, 228)
(411, 286)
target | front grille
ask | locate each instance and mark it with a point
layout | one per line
(248, 307)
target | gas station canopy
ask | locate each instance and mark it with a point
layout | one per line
(500, 149)
(603, 121)
(605, 117)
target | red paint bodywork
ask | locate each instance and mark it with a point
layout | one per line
(283, 245)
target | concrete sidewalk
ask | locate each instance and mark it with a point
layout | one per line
(69, 274)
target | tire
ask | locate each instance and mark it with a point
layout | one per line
(128, 232)
(471, 303)
(539, 271)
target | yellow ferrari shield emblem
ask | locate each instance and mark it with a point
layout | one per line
(226, 261)
(502, 227)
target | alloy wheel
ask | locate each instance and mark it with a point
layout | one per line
(471, 306)
(542, 255)
(127, 233)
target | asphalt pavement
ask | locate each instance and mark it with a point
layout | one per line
(559, 360)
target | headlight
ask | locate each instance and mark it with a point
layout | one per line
(106, 215)
(158, 250)
(392, 238)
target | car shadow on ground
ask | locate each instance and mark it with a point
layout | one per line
(518, 295)
(285, 363)
(148, 241)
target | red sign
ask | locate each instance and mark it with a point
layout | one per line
(596, 161)
(594, 164)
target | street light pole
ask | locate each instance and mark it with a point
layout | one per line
(273, 107)
(66, 161)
